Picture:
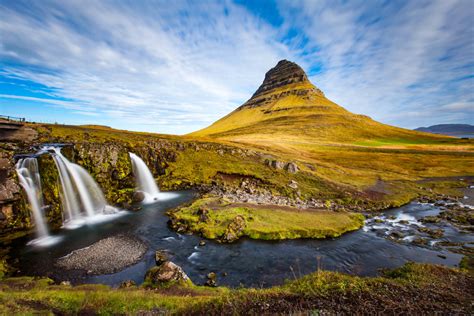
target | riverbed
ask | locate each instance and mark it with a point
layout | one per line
(250, 263)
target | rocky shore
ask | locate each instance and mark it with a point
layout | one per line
(108, 255)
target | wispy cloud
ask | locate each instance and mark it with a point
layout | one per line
(178, 66)
(388, 58)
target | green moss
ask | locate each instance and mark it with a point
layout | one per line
(215, 220)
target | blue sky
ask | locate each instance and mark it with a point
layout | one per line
(177, 66)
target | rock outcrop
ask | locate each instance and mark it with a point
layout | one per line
(166, 274)
(286, 78)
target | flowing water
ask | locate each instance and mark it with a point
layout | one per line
(247, 262)
(145, 181)
(30, 180)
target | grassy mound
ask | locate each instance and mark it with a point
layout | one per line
(216, 219)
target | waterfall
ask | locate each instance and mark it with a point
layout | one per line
(79, 190)
(28, 174)
(145, 181)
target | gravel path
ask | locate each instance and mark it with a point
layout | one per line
(108, 255)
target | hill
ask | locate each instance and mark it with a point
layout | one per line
(288, 106)
(460, 130)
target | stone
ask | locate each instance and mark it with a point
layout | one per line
(168, 272)
(161, 256)
(202, 243)
(291, 167)
(234, 230)
(138, 197)
(127, 284)
(211, 279)
(293, 184)
(65, 283)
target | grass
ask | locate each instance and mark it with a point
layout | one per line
(264, 221)
(413, 288)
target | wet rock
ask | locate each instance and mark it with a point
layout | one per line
(138, 197)
(127, 284)
(202, 243)
(403, 222)
(397, 234)
(234, 230)
(442, 256)
(378, 220)
(430, 219)
(420, 241)
(65, 283)
(166, 273)
(434, 233)
(211, 279)
(161, 256)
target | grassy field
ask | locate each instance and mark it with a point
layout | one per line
(413, 288)
(263, 221)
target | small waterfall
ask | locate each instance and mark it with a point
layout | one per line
(79, 190)
(145, 181)
(30, 180)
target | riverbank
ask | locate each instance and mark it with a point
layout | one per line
(410, 289)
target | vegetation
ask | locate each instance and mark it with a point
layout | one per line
(216, 219)
(413, 288)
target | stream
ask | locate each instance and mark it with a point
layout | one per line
(249, 263)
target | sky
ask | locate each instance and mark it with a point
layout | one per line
(177, 66)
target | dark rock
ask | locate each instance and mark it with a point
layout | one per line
(161, 256)
(127, 284)
(138, 197)
(202, 243)
(211, 279)
(430, 219)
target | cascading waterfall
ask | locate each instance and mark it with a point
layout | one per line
(145, 181)
(30, 180)
(79, 190)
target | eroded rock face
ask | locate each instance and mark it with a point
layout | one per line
(285, 74)
(166, 273)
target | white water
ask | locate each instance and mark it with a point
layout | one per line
(82, 200)
(28, 174)
(145, 181)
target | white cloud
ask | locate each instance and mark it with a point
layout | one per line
(142, 62)
(178, 66)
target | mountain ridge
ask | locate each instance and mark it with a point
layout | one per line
(448, 129)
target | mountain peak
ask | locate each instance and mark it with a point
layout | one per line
(284, 79)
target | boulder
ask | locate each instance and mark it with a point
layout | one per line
(291, 167)
(234, 230)
(166, 273)
(211, 279)
(138, 197)
(161, 256)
